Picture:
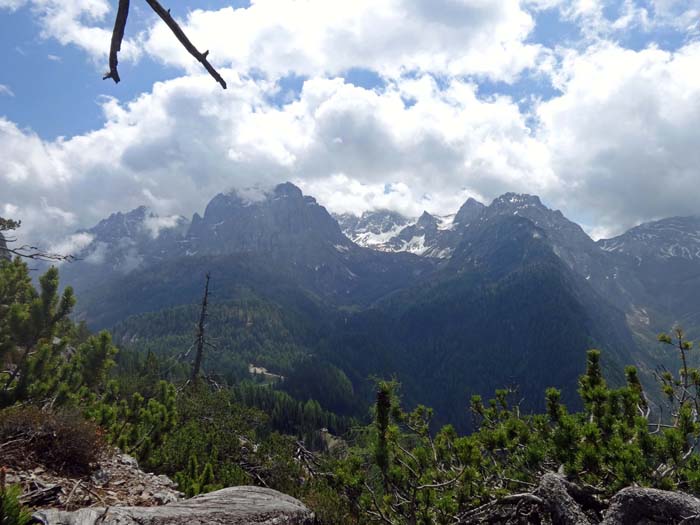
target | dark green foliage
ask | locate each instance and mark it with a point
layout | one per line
(34, 333)
(211, 430)
(219, 443)
(8, 224)
(135, 424)
(11, 511)
(52, 361)
(315, 379)
(193, 480)
(291, 416)
(247, 330)
(450, 342)
(383, 408)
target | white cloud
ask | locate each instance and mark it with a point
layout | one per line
(314, 37)
(624, 136)
(98, 253)
(83, 23)
(619, 143)
(341, 194)
(319, 37)
(156, 224)
(72, 244)
(683, 15)
(173, 147)
(5, 90)
(600, 19)
(12, 5)
(603, 19)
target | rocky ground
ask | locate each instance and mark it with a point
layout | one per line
(117, 492)
(116, 480)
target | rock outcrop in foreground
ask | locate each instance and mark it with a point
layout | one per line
(561, 502)
(231, 506)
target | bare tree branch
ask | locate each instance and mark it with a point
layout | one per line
(164, 14)
(25, 251)
(117, 37)
(180, 35)
(32, 252)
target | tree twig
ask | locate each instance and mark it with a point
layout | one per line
(32, 252)
(182, 37)
(117, 37)
(164, 14)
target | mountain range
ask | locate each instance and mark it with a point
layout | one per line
(509, 293)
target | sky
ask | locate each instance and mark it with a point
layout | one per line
(411, 105)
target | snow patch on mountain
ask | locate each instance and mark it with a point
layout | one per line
(372, 239)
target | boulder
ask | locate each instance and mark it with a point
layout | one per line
(230, 506)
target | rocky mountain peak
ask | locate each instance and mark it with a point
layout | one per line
(119, 225)
(469, 211)
(558, 227)
(427, 221)
(517, 201)
(259, 221)
(287, 189)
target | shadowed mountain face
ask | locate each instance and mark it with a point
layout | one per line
(506, 310)
(509, 293)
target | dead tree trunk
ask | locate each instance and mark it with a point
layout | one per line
(197, 363)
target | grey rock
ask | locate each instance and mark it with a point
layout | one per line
(125, 459)
(166, 481)
(163, 498)
(100, 477)
(230, 506)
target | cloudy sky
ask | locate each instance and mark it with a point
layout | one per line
(406, 104)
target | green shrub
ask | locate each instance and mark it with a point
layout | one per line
(11, 510)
